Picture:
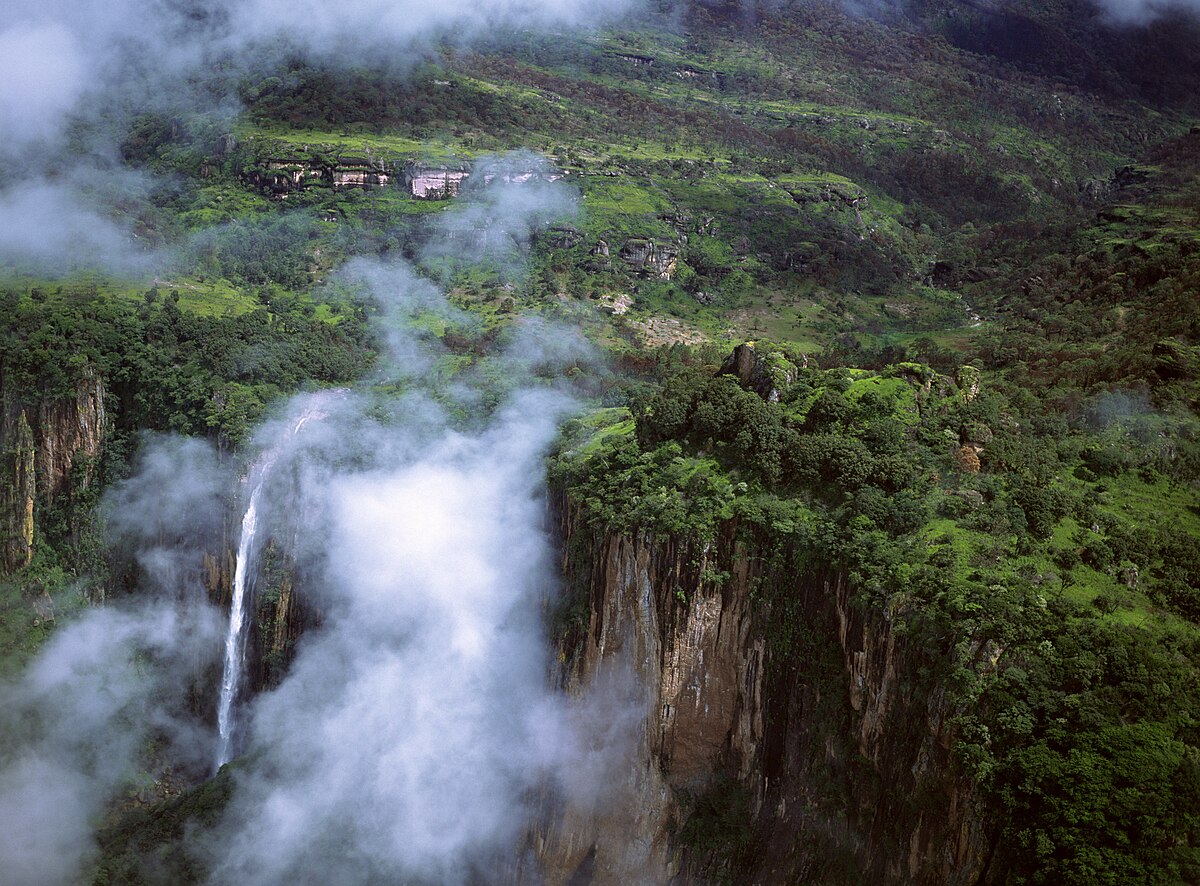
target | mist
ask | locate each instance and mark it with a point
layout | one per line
(73, 75)
(55, 225)
(102, 712)
(77, 724)
(1141, 12)
(496, 224)
(115, 680)
(417, 729)
(404, 738)
(418, 732)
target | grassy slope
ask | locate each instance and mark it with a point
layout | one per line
(831, 160)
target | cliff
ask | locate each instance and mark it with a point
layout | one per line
(280, 176)
(280, 611)
(50, 447)
(69, 435)
(786, 735)
(17, 495)
(280, 169)
(650, 258)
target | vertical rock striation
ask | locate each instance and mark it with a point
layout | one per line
(17, 494)
(817, 714)
(50, 447)
(70, 432)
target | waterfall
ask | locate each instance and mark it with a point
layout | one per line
(243, 581)
(235, 637)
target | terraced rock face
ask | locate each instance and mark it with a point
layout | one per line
(427, 183)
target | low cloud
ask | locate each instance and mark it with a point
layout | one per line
(72, 74)
(42, 76)
(60, 226)
(418, 728)
(1142, 12)
(506, 201)
(76, 726)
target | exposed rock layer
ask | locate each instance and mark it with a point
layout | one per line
(816, 712)
(50, 446)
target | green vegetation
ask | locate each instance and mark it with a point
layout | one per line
(975, 238)
(1085, 582)
(166, 366)
(149, 844)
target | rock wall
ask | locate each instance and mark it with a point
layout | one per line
(650, 258)
(434, 182)
(279, 177)
(817, 713)
(50, 446)
(281, 170)
(17, 493)
(280, 611)
(686, 660)
(69, 435)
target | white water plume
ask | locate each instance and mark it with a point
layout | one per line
(417, 727)
(313, 407)
(235, 637)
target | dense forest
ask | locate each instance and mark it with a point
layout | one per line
(900, 299)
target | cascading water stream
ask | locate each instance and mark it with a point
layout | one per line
(243, 585)
(235, 637)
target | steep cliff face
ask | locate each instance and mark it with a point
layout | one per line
(688, 660)
(281, 611)
(70, 435)
(809, 724)
(434, 182)
(280, 176)
(17, 494)
(51, 446)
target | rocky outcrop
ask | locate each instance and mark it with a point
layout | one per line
(281, 615)
(562, 237)
(969, 380)
(815, 710)
(69, 435)
(434, 182)
(279, 177)
(638, 61)
(766, 373)
(685, 644)
(600, 253)
(279, 169)
(841, 195)
(650, 258)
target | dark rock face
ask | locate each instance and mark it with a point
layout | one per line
(70, 432)
(281, 611)
(17, 491)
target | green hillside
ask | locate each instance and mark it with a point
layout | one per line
(961, 238)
